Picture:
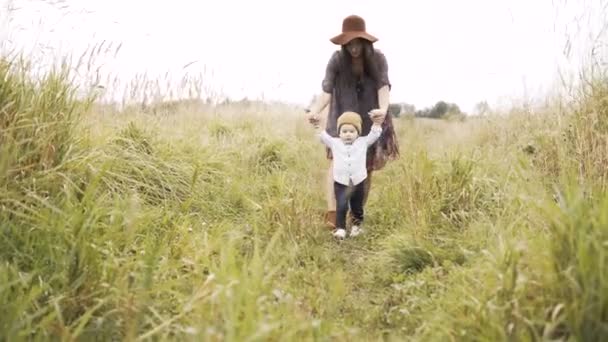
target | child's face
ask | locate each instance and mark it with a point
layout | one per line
(348, 133)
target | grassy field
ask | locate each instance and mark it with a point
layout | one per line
(201, 223)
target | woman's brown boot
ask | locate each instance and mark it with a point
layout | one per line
(330, 219)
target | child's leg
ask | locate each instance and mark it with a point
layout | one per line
(357, 202)
(341, 192)
(330, 197)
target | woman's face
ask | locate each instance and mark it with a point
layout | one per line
(355, 47)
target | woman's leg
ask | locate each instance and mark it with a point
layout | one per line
(369, 165)
(330, 197)
(329, 188)
(367, 186)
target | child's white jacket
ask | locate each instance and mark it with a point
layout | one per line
(350, 160)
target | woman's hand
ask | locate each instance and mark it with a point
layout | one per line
(314, 119)
(377, 115)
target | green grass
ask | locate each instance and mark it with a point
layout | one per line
(206, 224)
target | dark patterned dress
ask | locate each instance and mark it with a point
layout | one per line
(360, 95)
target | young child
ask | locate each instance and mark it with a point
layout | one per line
(349, 170)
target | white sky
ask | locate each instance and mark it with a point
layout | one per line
(458, 51)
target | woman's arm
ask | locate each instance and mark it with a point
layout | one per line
(327, 87)
(384, 84)
(379, 114)
(314, 110)
(383, 98)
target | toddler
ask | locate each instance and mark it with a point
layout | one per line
(349, 170)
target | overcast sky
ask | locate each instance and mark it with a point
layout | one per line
(458, 51)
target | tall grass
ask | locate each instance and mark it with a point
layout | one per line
(195, 221)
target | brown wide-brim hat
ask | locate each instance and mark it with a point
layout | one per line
(353, 27)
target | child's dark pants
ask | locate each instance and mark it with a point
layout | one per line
(349, 195)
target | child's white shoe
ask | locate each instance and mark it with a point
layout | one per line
(355, 230)
(340, 233)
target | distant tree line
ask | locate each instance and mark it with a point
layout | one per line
(438, 111)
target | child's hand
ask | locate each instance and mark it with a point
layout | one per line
(377, 116)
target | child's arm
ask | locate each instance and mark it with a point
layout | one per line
(373, 134)
(323, 136)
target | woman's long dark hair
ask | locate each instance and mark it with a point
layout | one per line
(369, 64)
(350, 83)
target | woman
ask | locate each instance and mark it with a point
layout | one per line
(356, 79)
